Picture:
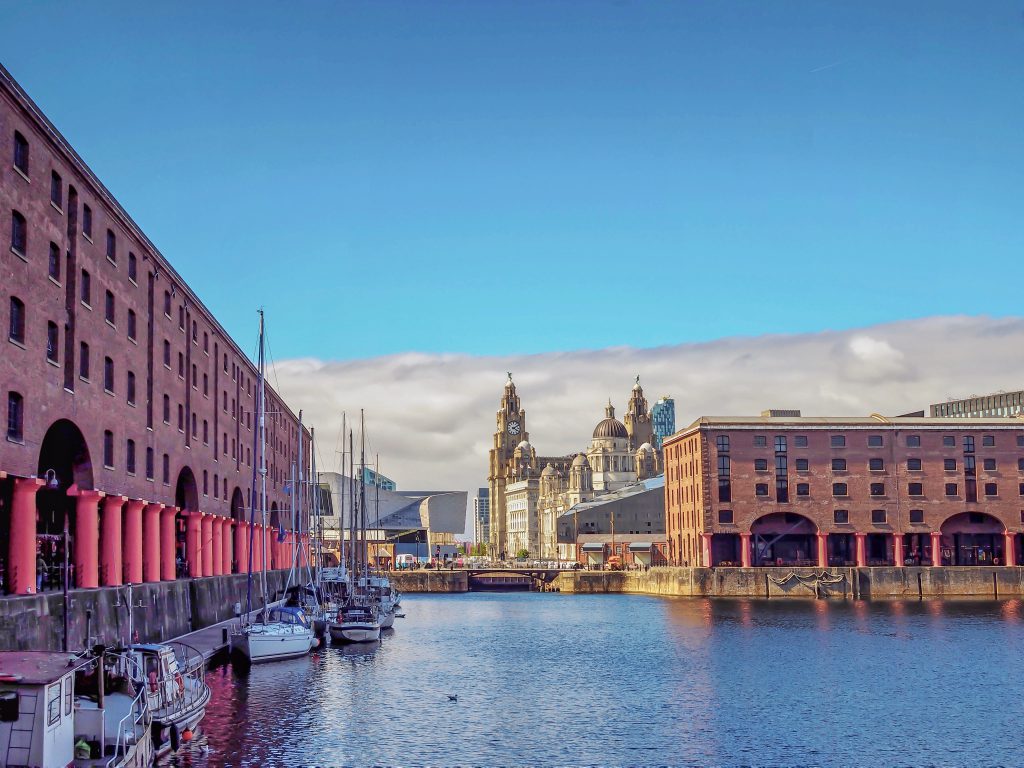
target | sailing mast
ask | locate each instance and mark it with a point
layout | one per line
(362, 490)
(256, 469)
(352, 514)
(263, 473)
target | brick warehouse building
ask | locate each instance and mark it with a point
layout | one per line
(790, 490)
(130, 411)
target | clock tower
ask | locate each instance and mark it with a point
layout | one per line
(510, 432)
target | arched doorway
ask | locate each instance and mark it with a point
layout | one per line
(186, 499)
(973, 538)
(784, 539)
(64, 461)
(237, 506)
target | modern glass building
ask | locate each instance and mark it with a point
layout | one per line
(371, 479)
(482, 516)
(663, 414)
(975, 407)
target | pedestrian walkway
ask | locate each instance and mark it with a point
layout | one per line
(211, 640)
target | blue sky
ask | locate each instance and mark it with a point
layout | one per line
(505, 178)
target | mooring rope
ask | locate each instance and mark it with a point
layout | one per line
(812, 580)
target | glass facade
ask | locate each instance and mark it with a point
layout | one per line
(482, 516)
(998, 404)
(663, 415)
(372, 479)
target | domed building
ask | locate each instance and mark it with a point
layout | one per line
(528, 492)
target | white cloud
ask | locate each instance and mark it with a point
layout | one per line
(431, 417)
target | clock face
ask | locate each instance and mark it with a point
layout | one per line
(513, 427)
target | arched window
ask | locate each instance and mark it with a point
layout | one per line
(167, 469)
(21, 153)
(149, 463)
(52, 342)
(83, 360)
(19, 234)
(108, 374)
(17, 330)
(54, 266)
(108, 449)
(131, 388)
(129, 457)
(167, 409)
(15, 416)
(111, 246)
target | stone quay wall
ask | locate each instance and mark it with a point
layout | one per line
(163, 610)
(430, 581)
(865, 583)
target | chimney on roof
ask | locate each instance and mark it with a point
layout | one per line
(780, 413)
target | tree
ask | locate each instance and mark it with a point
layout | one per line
(522, 554)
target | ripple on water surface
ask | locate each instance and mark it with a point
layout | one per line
(548, 679)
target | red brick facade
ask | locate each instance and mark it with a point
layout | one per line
(810, 491)
(137, 356)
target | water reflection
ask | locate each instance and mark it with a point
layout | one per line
(548, 679)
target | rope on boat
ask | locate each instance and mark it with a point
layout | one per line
(815, 581)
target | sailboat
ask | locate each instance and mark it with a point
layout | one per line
(357, 621)
(284, 632)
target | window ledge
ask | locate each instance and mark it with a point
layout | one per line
(16, 343)
(86, 235)
(112, 261)
(85, 379)
(57, 208)
(107, 466)
(87, 305)
(54, 280)
(133, 281)
(16, 440)
(131, 404)
(109, 391)
(19, 254)
(133, 341)
(69, 391)
(110, 324)
(54, 363)
(21, 173)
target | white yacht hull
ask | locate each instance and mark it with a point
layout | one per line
(259, 647)
(355, 632)
(387, 620)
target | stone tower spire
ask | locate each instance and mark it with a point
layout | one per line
(638, 418)
(510, 431)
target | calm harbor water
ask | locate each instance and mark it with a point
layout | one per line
(549, 679)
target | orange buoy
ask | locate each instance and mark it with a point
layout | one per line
(186, 735)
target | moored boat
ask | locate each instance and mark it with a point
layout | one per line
(355, 624)
(285, 634)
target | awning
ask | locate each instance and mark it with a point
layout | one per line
(640, 546)
(593, 547)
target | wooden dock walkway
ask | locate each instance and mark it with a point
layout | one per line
(213, 639)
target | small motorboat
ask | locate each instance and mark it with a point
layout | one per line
(356, 624)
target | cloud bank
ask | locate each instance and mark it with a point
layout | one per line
(431, 417)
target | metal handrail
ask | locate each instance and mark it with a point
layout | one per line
(137, 713)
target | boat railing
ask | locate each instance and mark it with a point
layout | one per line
(192, 668)
(128, 730)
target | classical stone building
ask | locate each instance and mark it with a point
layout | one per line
(528, 492)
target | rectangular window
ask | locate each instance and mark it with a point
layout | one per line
(53, 704)
(54, 267)
(56, 190)
(949, 441)
(988, 441)
(914, 465)
(878, 489)
(874, 441)
(83, 360)
(132, 325)
(131, 388)
(108, 449)
(800, 441)
(991, 490)
(951, 489)
(917, 515)
(760, 465)
(803, 489)
(915, 489)
(1020, 441)
(167, 353)
(108, 308)
(838, 465)
(20, 153)
(149, 463)
(725, 516)
(913, 441)
(87, 221)
(19, 234)
(876, 465)
(839, 489)
(949, 465)
(86, 289)
(167, 409)
(969, 466)
(722, 442)
(16, 332)
(167, 303)
(760, 441)
(133, 267)
(837, 441)
(111, 246)
(780, 444)
(108, 374)
(181, 318)
(15, 416)
(129, 457)
(181, 417)
(206, 432)
(878, 516)
(781, 490)
(52, 342)
(841, 516)
(167, 469)
(968, 444)
(990, 465)
(181, 365)
(802, 465)
(761, 489)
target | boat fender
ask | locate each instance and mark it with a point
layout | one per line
(154, 684)
(156, 732)
(174, 738)
(186, 735)
(181, 683)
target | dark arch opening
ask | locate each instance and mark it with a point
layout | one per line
(186, 492)
(64, 461)
(784, 538)
(237, 505)
(973, 538)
